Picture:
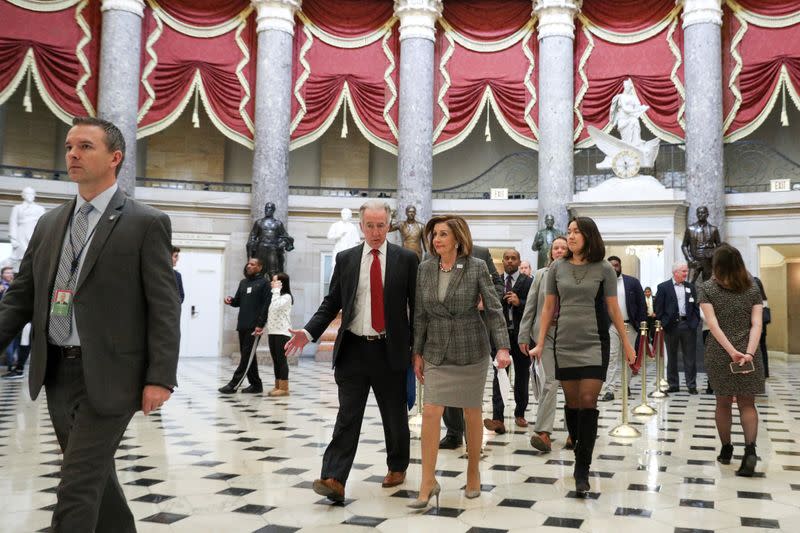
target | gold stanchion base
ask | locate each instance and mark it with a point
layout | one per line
(643, 409)
(415, 420)
(625, 431)
(663, 383)
(658, 395)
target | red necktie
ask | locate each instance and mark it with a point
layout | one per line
(376, 292)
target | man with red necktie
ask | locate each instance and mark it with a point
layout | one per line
(373, 284)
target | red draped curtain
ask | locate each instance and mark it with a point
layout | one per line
(626, 16)
(484, 21)
(348, 18)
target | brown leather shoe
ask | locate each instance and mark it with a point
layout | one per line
(330, 488)
(494, 425)
(393, 479)
(521, 422)
(541, 441)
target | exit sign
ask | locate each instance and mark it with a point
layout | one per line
(780, 185)
(502, 194)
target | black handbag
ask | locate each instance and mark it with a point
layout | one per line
(766, 318)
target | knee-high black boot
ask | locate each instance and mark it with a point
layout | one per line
(587, 434)
(571, 421)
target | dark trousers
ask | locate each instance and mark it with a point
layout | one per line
(246, 340)
(762, 344)
(362, 364)
(522, 375)
(22, 356)
(454, 422)
(278, 353)
(686, 338)
(90, 498)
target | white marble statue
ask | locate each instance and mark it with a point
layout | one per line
(625, 155)
(23, 220)
(344, 232)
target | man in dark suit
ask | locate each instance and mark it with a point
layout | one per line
(634, 311)
(516, 286)
(97, 284)
(676, 307)
(252, 298)
(373, 284)
(454, 417)
(176, 252)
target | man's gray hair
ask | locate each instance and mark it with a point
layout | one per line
(375, 205)
(678, 264)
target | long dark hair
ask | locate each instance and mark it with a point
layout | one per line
(594, 249)
(729, 270)
(283, 277)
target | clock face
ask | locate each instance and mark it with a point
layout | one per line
(625, 164)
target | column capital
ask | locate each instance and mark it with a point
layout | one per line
(418, 18)
(131, 6)
(276, 14)
(556, 17)
(701, 12)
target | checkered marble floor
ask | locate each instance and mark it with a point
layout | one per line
(246, 463)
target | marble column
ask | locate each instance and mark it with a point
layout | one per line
(702, 46)
(120, 62)
(415, 142)
(556, 99)
(273, 106)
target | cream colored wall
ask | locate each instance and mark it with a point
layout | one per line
(344, 161)
(793, 307)
(183, 152)
(30, 138)
(772, 273)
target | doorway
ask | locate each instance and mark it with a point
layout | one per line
(201, 312)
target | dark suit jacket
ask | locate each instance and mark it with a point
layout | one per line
(521, 288)
(399, 283)
(634, 300)
(254, 305)
(666, 306)
(179, 283)
(483, 253)
(126, 303)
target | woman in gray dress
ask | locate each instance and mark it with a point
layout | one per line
(582, 291)
(733, 307)
(451, 344)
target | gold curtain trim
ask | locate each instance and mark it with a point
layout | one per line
(199, 31)
(764, 21)
(301, 79)
(44, 5)
(673, 75)
(87, 69)
(784, 82)
(528, 83)
(633, 37)
(240, 75)
(387, 77)
(448, 53)
(346, 42)
(150, 67)
(584, 84)
(488, 46)
(737, 69)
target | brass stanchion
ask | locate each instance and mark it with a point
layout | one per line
(416, 419)
(658, 345)
(624, 429)
(643, 408)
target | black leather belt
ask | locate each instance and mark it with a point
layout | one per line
(66, 352)
(681, 319)
(369, 338)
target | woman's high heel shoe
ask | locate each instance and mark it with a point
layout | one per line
(749, 461)
(725, 454)
(472, 494)
(419, 503)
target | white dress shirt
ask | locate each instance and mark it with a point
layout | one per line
(680, 294)
(648, 300)
(361, 323)
(99, 205)
(621, 298)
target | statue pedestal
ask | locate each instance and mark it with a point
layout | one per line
(328, 339)
(620, 190)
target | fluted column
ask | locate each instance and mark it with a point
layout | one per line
(120, 70)
(415, 142)
(273, 106)
(702, 45)
(556, 99)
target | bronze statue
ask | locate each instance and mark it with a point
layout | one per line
(699, 242)
(544, 240)
(412, 232)
(268, 241)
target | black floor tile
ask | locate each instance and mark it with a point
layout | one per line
(153, 498)
(164, 518)
(368, 521)
(554, 521)
(698, 504)
(512, 502)
(629, 511)
(254, 509)
(764, 523)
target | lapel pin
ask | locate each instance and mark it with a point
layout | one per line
(112, 217)
(459, 266)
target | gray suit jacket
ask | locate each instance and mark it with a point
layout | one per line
(531, 323)
(453, 327)
(126, 303)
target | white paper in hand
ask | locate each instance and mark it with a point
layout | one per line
(504, 384)
(537, 378)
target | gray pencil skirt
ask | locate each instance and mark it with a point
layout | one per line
(456, 385)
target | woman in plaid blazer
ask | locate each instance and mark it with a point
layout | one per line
(451, 343)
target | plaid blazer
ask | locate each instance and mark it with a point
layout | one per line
(452, 329)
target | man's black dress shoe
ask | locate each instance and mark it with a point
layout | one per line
(674, 389)
(253, 389)
(449, 442)
(227, 389)
(692, 390)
